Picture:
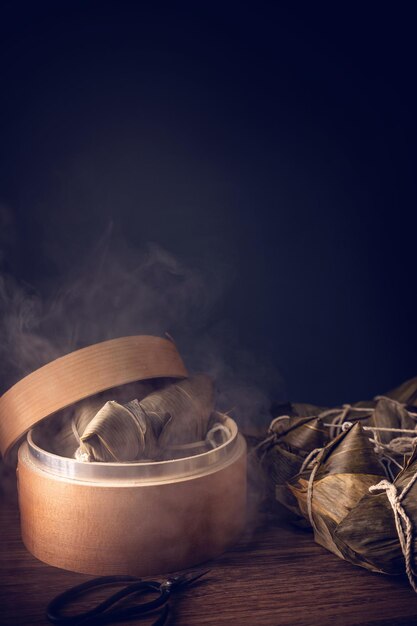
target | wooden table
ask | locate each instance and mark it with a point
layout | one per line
(275, 576)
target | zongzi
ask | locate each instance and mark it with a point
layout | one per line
(283, 453)
(172, 417)
(339, 477)
(369, 534)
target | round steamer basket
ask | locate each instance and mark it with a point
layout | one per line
(137, 518)
(131, 518)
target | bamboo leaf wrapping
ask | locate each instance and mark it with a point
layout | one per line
(368, 534)
(173, 416)
(346, 468)
(332, 492)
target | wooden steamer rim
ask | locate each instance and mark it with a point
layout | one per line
(81, 374)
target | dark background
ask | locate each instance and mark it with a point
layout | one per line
(278, 141)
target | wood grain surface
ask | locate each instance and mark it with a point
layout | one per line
(275, 576)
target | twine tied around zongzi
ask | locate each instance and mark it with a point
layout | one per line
(387, 429)
(339, 420)
(341, 414)
(271, 439)
(398, 445)
(310, 459)
(402, 521)
(313, 461)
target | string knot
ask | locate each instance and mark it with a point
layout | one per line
(402, 445)
(311, 459)
(272, 438)
(390, 488)
(402, 522)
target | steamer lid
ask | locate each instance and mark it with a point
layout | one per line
(81, 374)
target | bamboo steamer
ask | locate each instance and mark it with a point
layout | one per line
(118, 518)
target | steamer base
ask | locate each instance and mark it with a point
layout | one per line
(132, 526)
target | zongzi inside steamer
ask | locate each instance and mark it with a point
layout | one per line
(171, 417)
(187, 405)
(64, 433)
(120, 432)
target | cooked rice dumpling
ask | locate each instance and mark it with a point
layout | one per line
(120, 432)
(284, 452)
(391, 414)
(187, 405)
(340, 476)
(173, 416)
(74, 420)
(368, 535)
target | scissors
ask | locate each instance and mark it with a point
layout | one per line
(103, 613)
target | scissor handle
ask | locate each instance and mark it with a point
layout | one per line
(99, 614)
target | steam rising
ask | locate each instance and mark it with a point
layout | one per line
(118, 290)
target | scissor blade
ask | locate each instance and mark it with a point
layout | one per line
(191, 577)
(188, 578)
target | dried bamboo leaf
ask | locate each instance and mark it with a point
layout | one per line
(120, 433)
(405, 393)
(347, 519)
(368, 535)
(391, 414)
(349, 452)
(283, 457)
(64, 442)
(386, 414)
(189, 405)
(344, 471)
(174, 416)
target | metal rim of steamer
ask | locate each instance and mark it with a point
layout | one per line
(139, 471)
